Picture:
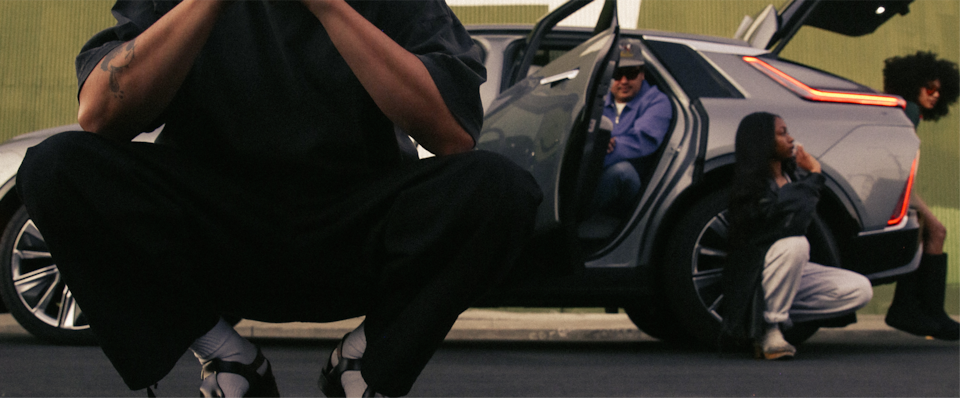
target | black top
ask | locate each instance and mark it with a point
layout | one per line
(782, 212)
(270, 88)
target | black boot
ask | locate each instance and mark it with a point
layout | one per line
(932, 276)
(906, 313)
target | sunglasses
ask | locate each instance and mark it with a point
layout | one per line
(631, 73)
(932, 89)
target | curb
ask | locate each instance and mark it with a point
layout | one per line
(477, 324)
(488, 325)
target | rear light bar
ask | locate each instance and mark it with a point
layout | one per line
(813, 94)
(900, 211)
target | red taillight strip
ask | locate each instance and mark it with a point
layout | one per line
(813, 94)
(901, 210)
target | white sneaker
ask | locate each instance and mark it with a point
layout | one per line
(773, 346)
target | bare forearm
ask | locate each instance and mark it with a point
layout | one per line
(134, 83)
(397, 80)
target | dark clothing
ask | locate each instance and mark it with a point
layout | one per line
(913, 112)
(277, 194)
(782, 212)
(155, 245)
(270, 87)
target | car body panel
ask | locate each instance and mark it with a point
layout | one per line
(877, 180)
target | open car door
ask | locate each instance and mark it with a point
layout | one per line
(550, 123)
(773, 31)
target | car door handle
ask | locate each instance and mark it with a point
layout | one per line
(570, 74)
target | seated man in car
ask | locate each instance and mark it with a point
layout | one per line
(641, 114)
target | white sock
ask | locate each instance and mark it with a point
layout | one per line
(353, 347)
(355, 344)
(223, 342)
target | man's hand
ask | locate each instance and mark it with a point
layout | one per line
(806, 161)
(612, 145)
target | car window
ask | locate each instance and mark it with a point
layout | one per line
(697, 77)
(553, 46)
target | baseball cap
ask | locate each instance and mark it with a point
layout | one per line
(630, 53)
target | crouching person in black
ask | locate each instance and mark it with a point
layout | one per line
(768, 282)
(275, 191)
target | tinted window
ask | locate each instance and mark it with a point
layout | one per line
(698, 78)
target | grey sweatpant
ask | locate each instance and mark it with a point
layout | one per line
(796, 290)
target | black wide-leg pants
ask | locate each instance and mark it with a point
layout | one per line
(156, 245)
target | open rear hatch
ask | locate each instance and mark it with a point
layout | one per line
(772, 30)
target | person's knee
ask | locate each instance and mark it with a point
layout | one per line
(41, 162)
(793, 247)
(934, 237)
(50, 167)
(53, 152)
(861, 291)
(851, 291)
(627, 177)
(623, 170)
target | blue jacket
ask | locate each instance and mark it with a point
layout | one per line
(643, 124)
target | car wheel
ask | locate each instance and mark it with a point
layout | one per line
(695, 256)
(696, 251)
(655, 318)
(32, 288)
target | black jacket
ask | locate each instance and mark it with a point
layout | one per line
(782, 212)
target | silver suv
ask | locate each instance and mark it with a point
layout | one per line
(662, 260)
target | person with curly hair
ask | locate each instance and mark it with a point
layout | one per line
(930, 86)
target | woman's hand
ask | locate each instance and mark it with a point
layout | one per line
(806, 161)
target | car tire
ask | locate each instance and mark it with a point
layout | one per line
(32, 288)
(696, 250)
(800, 332)
(694, 260)
(654, 317)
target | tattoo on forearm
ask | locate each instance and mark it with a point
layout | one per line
(116, 62)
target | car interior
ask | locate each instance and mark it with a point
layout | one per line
(598, 228)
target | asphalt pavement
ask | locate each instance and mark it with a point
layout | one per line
(488, 325)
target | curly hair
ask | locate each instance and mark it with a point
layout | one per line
(905, 75)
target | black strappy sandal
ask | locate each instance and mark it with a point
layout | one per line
(260, 385)
(329, 382)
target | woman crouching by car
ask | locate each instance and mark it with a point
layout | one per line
(768, 282)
